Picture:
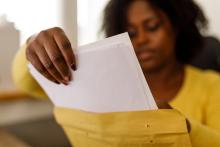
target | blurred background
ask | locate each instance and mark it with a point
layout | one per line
(26, 121)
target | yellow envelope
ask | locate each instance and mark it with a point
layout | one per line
(124, 129)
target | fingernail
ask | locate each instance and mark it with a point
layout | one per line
(57, 82)
(65, 82)
(73, 66)
(67, 79)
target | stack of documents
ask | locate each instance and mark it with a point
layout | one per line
(108, 79)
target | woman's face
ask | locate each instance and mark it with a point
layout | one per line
(152, 35)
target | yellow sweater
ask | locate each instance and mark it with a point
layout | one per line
(198, 101)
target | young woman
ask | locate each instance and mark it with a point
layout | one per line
(166, 36)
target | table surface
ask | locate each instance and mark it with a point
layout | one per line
(18, 111)
(9, 140)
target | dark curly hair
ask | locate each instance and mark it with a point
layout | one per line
(185, 16)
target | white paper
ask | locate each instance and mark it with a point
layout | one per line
(108, 79)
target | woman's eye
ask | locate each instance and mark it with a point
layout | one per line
(152, 28)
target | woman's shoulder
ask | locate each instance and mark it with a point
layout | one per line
(199, 87)
(208, 77)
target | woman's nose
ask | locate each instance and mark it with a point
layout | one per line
(142, 37)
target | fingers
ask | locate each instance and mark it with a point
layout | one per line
(65, 47)
(57, 59)
(49, 65)
(33, 58)
(51, 53)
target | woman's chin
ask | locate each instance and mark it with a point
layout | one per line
(149, 66)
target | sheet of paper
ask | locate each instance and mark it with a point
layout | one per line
(108, 79)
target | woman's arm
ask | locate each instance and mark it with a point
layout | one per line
(203, 136)
(208, 133)
(22, 78)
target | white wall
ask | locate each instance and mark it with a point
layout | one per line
(89, 20)
(29, 17)
(90, 12)
(9, 43)
(212, 11)
(32, 16)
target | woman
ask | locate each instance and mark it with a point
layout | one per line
(166, 36)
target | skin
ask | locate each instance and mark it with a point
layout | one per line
(153, 38)
(51, 54)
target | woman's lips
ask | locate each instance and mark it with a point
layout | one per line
(145, 55)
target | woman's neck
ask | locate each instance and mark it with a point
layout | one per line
(166, 81)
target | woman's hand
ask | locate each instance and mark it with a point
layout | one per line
(50, 52)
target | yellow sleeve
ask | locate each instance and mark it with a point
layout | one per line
(208, 133)
(22, 78)
(163, 128)
(213, 106)
(203, 136)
